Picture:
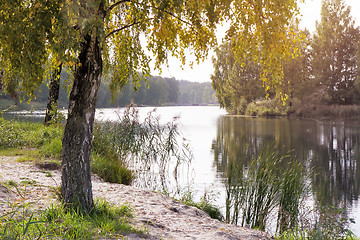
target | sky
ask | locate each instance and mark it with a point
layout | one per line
(310, 11)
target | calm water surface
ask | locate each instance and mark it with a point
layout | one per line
(330, 147)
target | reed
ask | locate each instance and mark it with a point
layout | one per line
(292, 189)
(255, 191)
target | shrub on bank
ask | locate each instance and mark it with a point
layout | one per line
(267, 108)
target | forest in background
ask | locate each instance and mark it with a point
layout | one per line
(325, 73)
(158, 91)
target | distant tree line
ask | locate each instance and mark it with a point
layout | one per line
(326, 70)
(158, 92)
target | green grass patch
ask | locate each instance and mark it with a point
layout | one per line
(27, 158)
(17, 152)
(111, 169)
(204, 204)
(52, 149)
(27, 135)
(105, 221)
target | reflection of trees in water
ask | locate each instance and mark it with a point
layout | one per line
(334, 158)
(331, 148)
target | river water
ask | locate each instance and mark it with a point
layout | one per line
(331, 148)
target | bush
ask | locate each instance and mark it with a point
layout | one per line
(267, 108)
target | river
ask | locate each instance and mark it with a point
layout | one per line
(330, 148)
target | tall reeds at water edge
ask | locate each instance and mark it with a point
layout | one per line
(272, 181)
(142, 147)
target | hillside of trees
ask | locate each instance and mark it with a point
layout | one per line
(158, 91)
(325, 72)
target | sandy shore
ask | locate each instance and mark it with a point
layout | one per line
(161, 216)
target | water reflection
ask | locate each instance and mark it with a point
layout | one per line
(330, 148)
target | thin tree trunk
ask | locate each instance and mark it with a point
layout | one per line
(53, 97)
(1, 76)
(76, 179)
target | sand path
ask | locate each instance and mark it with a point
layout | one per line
(161, 216)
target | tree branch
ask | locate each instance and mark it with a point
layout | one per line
(167, 12)
(134, 23)
(178, 18)
(122, 28)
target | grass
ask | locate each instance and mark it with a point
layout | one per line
(30, 141)
(104, 221)
(111, 169)
(16, 134)
(314, 234)
(272, 188)
(204, 204)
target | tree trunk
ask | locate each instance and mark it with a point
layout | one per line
(76, 176)
(52, 103)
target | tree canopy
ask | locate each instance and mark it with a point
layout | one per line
(236, 83)
(121, 36)
(335, 48)
(38, 29)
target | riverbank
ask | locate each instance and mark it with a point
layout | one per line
(298, 109)
(310, 110)
(160, 216)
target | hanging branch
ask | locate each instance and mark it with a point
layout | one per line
(115, 5)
